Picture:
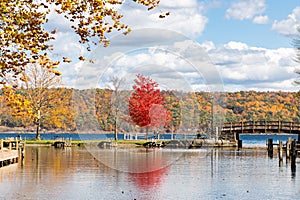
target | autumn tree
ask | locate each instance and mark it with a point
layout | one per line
(103, 108)
(39, 98)
(116, 101)
(146, 104)
(24, 39)
(172, 103)
(109, 105)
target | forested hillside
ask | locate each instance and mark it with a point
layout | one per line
(92, 110)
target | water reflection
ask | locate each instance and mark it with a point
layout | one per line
(149, 180)
(73, 173)
(135, 160)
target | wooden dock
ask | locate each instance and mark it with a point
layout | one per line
(8, 157)
(62, 143)
(11, 150)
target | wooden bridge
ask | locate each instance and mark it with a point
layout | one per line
(232, 130)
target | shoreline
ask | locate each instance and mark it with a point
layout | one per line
(139, 144)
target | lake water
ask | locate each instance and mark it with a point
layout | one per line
(92, 173)
(248, 140)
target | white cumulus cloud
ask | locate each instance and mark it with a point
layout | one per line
(261, 19)
(243, 67)
(289, 26)
(185, 17)
(245, 9)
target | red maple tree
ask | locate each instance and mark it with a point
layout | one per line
(146, 104)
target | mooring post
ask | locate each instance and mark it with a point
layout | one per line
(288, 148)
(270, 147)
(293, 155)
(240, 144)
(280, 149)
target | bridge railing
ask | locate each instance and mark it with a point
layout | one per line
(262, 127)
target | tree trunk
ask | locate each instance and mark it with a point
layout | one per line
(147, 130)
(38, 124)
(115, 131)
(116, 124)
(38, 134)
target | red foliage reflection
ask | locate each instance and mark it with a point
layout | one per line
(148, 180)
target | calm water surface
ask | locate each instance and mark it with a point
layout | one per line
(75, 173)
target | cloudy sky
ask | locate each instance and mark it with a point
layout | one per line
(239, 44)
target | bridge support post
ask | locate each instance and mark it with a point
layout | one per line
(293, 155)
(237, 138)
(280, 151)
(270, 147)
(240, 144)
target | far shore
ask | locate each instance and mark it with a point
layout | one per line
(22, 131)
(129, 144)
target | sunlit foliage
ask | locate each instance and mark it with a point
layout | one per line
(24, 40)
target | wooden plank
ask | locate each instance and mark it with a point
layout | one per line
(6, 155)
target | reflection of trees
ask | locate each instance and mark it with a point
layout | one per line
(148, 180)
(58, 164)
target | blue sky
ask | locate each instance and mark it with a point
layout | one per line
(221, 30)
(247, 41)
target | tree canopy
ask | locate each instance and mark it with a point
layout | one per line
(39, 100)
(146, 104)
(24, 39)
(189, 112)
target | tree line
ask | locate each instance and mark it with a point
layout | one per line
(91, 110)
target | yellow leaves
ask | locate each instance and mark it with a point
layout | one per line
(18, 103)
(164, 15)
(66, 60)
(23, 39)
(106, 43)
(96, 18)
(24, 78)
(57, 73)
(34, 50)
(21, 28)
(81, 58)
(54, 31)
(67, 5)
(127, 31)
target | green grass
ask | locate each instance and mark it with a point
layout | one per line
(80, 142)
(39, 141)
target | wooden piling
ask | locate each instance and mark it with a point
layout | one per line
(293, 156)
(270, 147)
(280, 151)
(240, 144)
(288, 148)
